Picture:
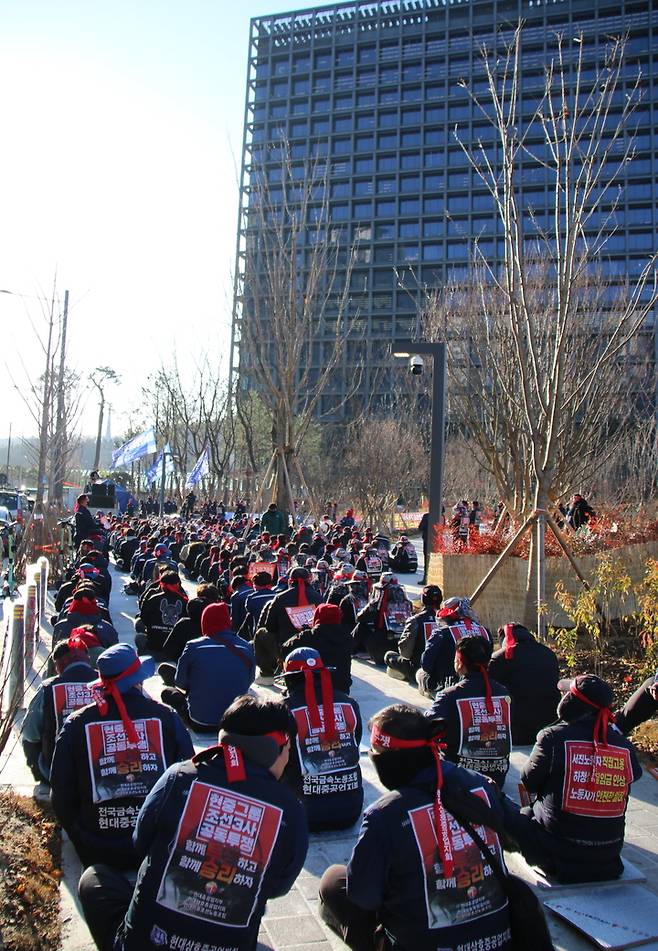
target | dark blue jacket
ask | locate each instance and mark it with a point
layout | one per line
(327, 776)
(476, 739)
(254, 605)
(238, 606)
(396, 870)
(438, 658)
(97, 788)
(215, 864)
(214, 673)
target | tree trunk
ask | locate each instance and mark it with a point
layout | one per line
(99, 435)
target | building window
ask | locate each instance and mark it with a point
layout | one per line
(363, 188)
(387, 140)
(386, 163)
(432, 252)
(320, 126)
(364, 143)
(410, 184)
(363, 165)
(343, 124)
(366, 121)
(409, 229)
(411, 117)
(410, 139)
(388, 120)
(385, 208)
(342, 146)
(345, 57)
(385, 230)
(409, 206)
(365, 99)
(408, 162)
(300, 87)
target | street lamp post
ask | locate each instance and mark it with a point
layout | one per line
(437, 351)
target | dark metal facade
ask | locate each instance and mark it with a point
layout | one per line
(373, 90)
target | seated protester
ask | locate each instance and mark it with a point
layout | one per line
(95, 640)
(212, 671)
(161, 559)
(370, 561)
(454, 620)
(287, 614)
(291, 610)
(358, 592)
(159, 612)
(414, 870)
(403, 663)
(98, 560)
(84, 609)
(85, 573)
(261, 594)
(324, 761)
(188, 886)
(580, 771)
(53, 701)
(403, 556)
(476, 714)
(331, 640)
(127, 549)
(640, 707)
(381, 622)
(242, 588)
(189, 626)
(108, 756)
(530, 672)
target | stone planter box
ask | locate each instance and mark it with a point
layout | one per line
(503, 600)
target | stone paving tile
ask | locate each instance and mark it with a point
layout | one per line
(287, 932)
(288, 905)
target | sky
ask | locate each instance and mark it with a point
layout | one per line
(121, 131)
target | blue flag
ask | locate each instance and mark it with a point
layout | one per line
(135, 448)
(154, 472)
(201, 467)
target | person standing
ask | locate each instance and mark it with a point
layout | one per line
(274, 521)
(86, 525)
(424, 529)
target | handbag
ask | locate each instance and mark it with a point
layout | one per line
(527, 919)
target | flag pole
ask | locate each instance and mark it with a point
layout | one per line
(162, 481)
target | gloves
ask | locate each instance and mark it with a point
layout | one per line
(423, 681)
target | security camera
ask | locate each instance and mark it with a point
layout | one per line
(416, 364)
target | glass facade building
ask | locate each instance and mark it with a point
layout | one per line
(373, 92)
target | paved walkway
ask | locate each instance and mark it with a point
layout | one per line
(293, 922)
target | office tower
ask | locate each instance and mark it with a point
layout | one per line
(376, 89)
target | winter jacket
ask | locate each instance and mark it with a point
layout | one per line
(326, 773)
(214, 853)
(160, 611)
(185, 629)
(334, 644)
(530, 677)
(213, 671)
(438, 658)
(396, 869)
(476, 738)
(53, 702)
(99, 783)
(282, 611)
(417, 632)
(582, 806)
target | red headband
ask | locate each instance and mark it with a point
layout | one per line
(488, 702)
(108, 685)
(441, 828)
(301, 585)
(234, 758)
(604, 717)
(330, 732)
(173, 589)
(510, 641)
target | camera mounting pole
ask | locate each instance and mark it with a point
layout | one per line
(438, 353)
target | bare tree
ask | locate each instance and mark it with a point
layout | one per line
(295, 311)
(100, 378)
(383, 458)
(537, 341)
(190, 411)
